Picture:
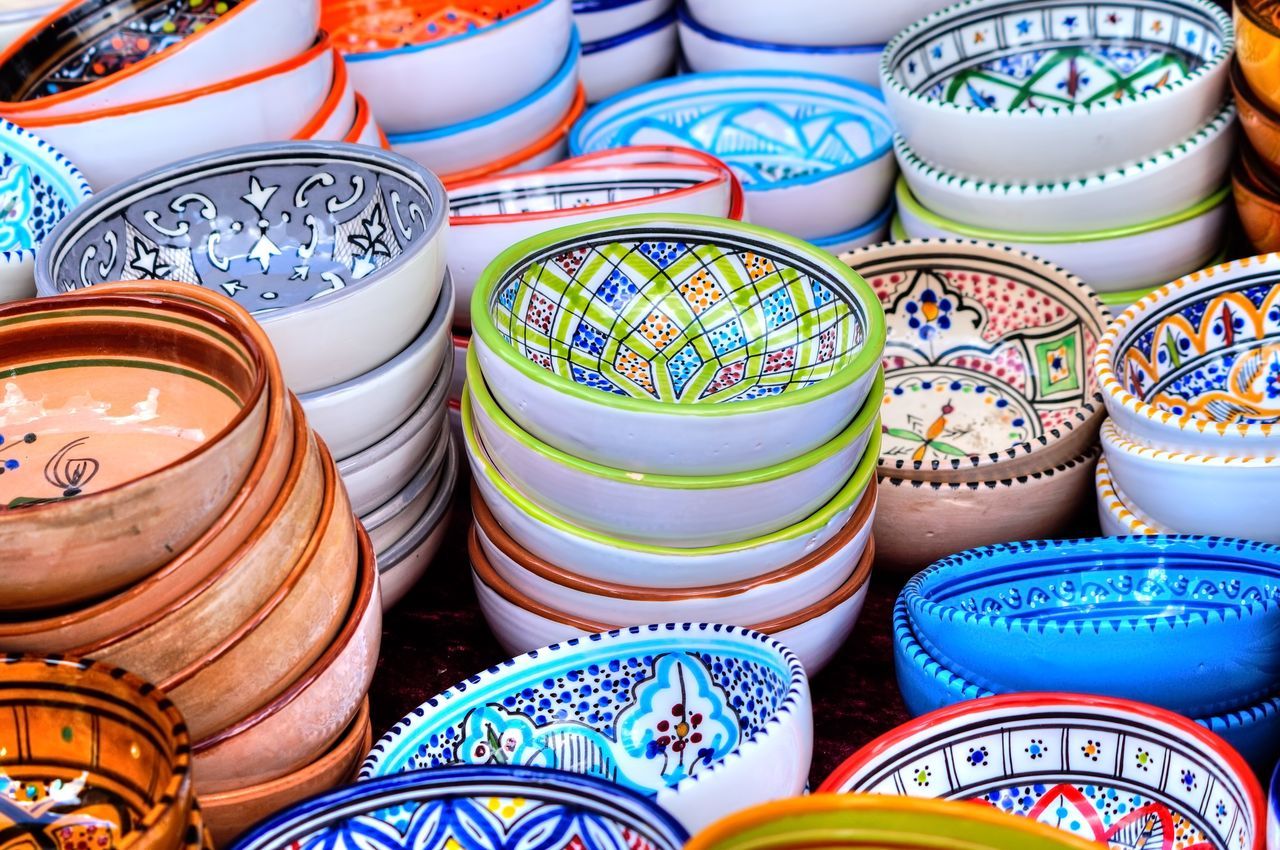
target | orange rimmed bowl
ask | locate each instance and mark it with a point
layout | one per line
(548, 150)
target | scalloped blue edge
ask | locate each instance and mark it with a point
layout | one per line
(34, 152)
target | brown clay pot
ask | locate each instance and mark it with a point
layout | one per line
(1257, 196)
(1261, 123)
(1258, 48)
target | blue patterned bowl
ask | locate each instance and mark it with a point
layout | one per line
(705, 718)
(474, 807)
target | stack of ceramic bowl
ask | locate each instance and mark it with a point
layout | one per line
(464, 88)
(201, 534)
(1256, 81)
(672, 417)
(1100, 142)
(1191, 379)
(812, 152)
(625, 43)
(122, 86)
(338, 251)
(991, 414)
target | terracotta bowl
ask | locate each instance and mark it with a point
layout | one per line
(1257, 196)
(1116, 515)
(93, 756)
(986, 359)
(1258, 48)
(1122, 771)
(101, 457)
(1261, 123)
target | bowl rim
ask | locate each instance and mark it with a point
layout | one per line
(74, 189)
(1114, 501)
(437, 512)
(338, 88)
(1247, 9)
(406, 49)
(879, 220)
(586, 7)
(663, 21)
(688, 20)
(1251, 169)
(429, 474)
(1090, 454)
(422, 414)
(637, 226)
(1113, 439)
(539, 146)
(889, 81)
(1242, 91)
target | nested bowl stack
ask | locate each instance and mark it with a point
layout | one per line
(633, 57)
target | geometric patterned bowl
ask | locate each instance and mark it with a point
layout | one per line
(676, 344)
(1108, 770)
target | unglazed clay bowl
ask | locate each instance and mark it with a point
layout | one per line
(95, 756)
(404, 562)
(1116, 515)
(618, 341)
(1176, 178)
(504, 53)
(492, 806)
(393, 519)
(986, 359)
(356, 414)
(629, 59)
(704, 719)
(1257, 196)
(338, 112)
(1261, 123)
(1005, 90)
(489, 214)
(820, 22)
(541, 153)
(1118, 768)
(117, 143)
(120, 408)
(1188, 622)
(873, 231)
(668, 510)
(813, 152)
(597, 20)
(336, 249)
(1258, 48)
(1144, 255)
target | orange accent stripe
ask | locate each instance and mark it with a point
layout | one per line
(336, 90)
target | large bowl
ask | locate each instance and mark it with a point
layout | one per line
(1116, 515)
(986, 359)
(1006, 89)
(501, 53)
(629, 59)
(828, 22)
(1105, 769)
(337, 249)
(813, 152)
(744, 732)
(1258, 37)
(676, 344)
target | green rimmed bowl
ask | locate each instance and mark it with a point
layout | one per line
(669, 510)
(676, 344)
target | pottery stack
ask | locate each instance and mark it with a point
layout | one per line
(1256, 82)
(993, 100)
(625, 43)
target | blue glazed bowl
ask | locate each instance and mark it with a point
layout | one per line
(1189, 623)
(479, 808)
(1273, 811)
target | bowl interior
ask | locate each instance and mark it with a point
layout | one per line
(682, 315)
(37, 189)
(271, 228)
(1034, 54)
(986, 350)
(363, 26)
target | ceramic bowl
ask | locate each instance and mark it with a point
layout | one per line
(806, 22)
(393, 519)
(597, 20)
(1187, 618)
(743, 695)
(118, 143)
(320, 241)
(503, 53)
(1258, 47)
(1273, 811)
(703, 376)
(356, 414)
(874, 231)
(488, 807)
(1004, 90)
(986, 359)
(707, 49)
(1118, 302)
(630, 59)
(118, 406)
(95, 754)
(1261, 123)
(471, 144)
(338, 112)
(458, 380)
(364, 129)
(1177, 370)
(1257, 196)
(1118, 768)
(1123, 258)
(949, 516)
(405, 561)
(1115, 516)
(97, 54)
(541, 153)
(20, 15)
(813, 152)
(877, 821)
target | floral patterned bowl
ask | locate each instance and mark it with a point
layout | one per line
(676, 344)
(703, 718)
(1107, 770)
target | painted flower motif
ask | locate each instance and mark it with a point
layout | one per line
(1142, 759)
(1272, 386)
(1036, 748)
(978, 756)
(15, 206)
(929, 315)
(922, 776)
(1091, 750)
(1188, 778)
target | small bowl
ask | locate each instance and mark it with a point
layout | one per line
(1040, 752)
(699, 382)
(1122, 258)
(1257, 196)
(1261, 123)
(1115, 516)
(752, 717)
(393, 519)
(826, 22)
(405, 561)
(1258, 49)
(542, 153)
(874, 231)
(597, 20)
(469, 144)
(342, 281)
(502, 53)
(356, 414)
(338, 112)
(629, 59)
(493, 806)
(759, 122)
(1019, 115)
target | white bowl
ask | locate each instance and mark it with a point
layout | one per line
(338, 112)
(458, 383)
(355, 414)
(404, 562)
(813, 152)
(1196, 494)
(629, 59)
(21, 16)
(600, 19)
(496, 135)
(476, 72)
(364, 129)
(392, 520)
(1112, 260)
(827, 22)
(1174, 179)
(980, 90)
(1116, 516)
(871, 233)
(707, 49)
